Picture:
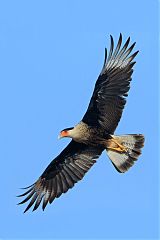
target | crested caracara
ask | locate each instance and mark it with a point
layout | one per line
(94, 133)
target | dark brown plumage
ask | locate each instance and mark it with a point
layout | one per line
(62, 173)
(94, 133)
(108, 99)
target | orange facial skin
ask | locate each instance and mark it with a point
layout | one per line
(64, 133)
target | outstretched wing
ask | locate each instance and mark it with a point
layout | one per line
(110, 92)
(61, 174)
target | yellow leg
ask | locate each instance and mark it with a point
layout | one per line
(119, 147)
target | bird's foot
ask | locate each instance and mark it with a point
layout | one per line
(116, 146)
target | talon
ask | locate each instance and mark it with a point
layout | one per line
(118, 147)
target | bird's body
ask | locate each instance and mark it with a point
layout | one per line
(94, 133)
(90, 135)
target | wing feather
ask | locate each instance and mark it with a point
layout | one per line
(38, 201)
(54, 190)
(33, 199)
(111, 88)
(61, 174)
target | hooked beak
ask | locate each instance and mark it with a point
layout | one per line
(63, 134)
(59, 136)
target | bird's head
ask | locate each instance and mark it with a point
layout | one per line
(65, 133)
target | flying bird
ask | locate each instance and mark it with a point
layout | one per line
(94, 133)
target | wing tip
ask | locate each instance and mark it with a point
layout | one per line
(111, 37)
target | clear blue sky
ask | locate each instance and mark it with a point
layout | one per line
(51, 53)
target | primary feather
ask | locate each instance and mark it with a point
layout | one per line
(109, 96)
(61, 174)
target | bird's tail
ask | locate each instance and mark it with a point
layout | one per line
(124, 150)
